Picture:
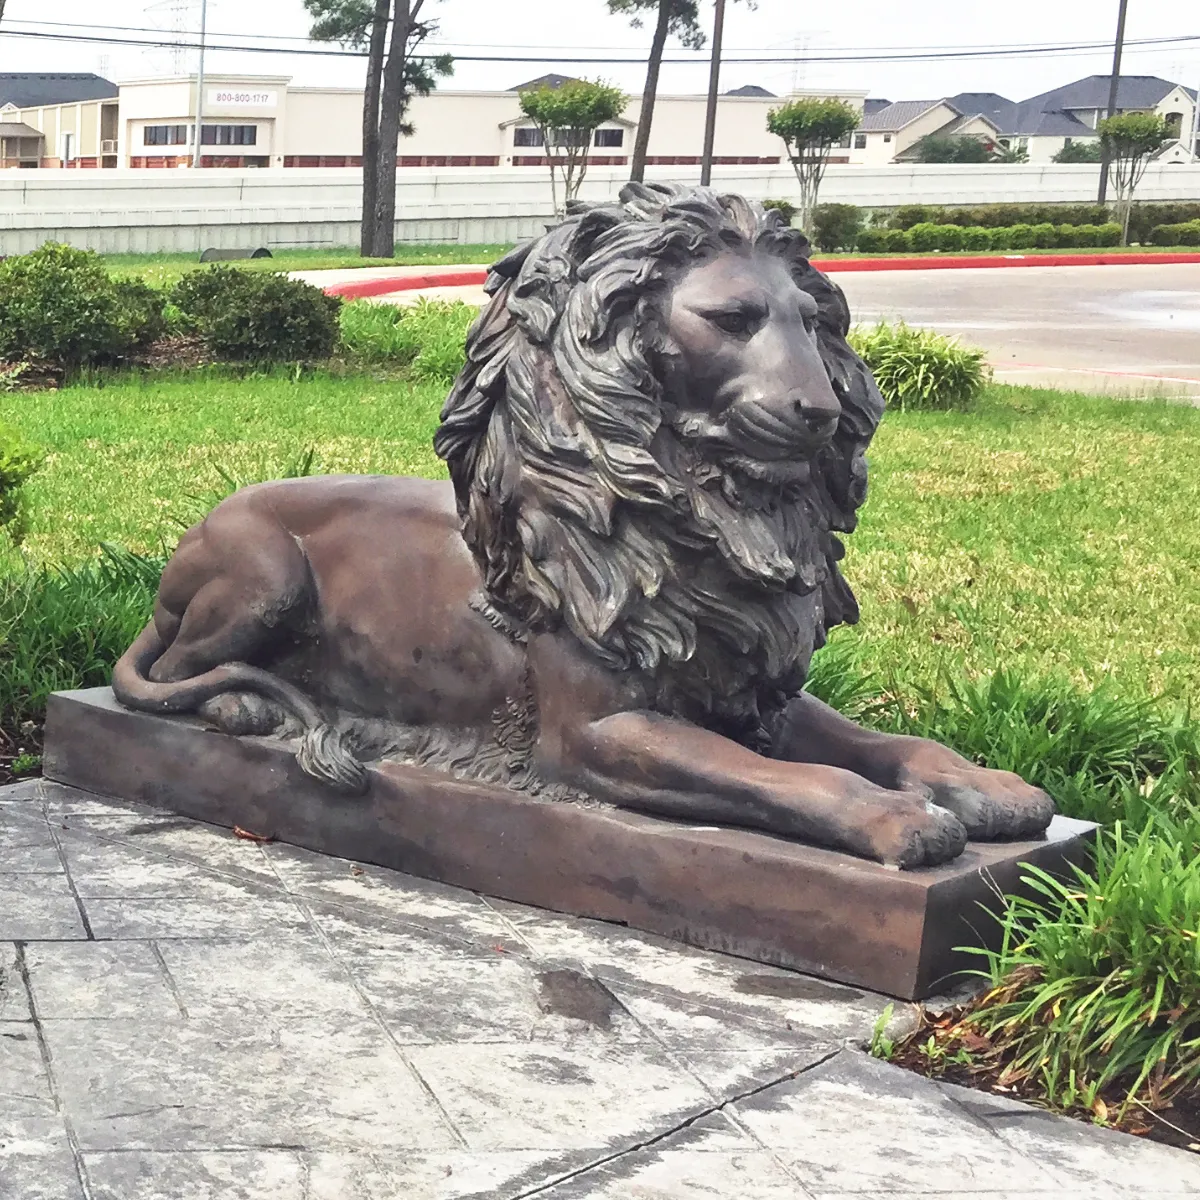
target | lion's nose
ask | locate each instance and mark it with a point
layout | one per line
(820, 413)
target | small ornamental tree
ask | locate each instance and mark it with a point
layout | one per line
(1127, 141)
(1079, 152)
(810, 128)
(567, 118)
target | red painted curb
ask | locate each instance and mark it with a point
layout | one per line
(358, 289)
(959, 262)
(476, 275)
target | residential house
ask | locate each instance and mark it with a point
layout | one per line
(1040, 126)
(890, 133)
(1087, 100)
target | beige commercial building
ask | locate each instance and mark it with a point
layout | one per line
(263, 121)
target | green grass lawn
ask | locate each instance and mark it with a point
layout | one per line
(163, 270)
(1048, 532)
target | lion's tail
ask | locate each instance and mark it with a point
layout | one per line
(322, 754)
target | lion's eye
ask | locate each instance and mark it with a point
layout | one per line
(737, 322)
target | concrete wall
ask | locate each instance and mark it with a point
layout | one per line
(135, 210)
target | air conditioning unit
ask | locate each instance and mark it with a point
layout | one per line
(108, 146)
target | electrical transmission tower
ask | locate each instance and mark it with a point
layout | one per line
(176, 13)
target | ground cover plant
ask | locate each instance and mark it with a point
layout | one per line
(920, 368)
(426, 338)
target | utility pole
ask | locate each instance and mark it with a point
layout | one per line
(196, 149)
(1113, 84)
(1194, 146)
(710, 116)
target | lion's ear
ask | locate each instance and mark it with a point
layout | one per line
(592, 224)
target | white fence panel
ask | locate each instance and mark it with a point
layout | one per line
(141, 210)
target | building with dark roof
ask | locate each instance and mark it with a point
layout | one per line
(33, 89)
(1040, 126)
(552, 80)
(890, 133)
(750, 89)
(264, 122)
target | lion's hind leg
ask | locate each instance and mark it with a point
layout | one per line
(215, 612)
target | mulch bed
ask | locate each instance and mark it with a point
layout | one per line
(1177, 1124)
(20, 743)
(175, 353)
(178, 353)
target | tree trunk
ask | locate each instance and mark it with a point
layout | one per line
(370, 126)
(637, 170)
(391, 111)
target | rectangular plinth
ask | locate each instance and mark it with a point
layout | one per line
(744, 893)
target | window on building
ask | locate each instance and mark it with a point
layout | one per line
(887, 137)
(165, 135)
(844, 144)
(1174, 124)
(610, 137)
(527, 136)
(229, 135)
(860, 141)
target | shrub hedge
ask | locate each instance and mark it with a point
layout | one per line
(928, 236)
(59, 305)
(835, 226)
(258, 316)
(1144, 218)
(1183, 233)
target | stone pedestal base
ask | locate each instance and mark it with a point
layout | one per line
(743, 893)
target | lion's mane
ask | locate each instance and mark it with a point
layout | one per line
(586, 505)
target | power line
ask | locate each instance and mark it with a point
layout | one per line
(930, 56)
(702, 55)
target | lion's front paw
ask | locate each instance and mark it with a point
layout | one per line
(907, 832)
(992, 805)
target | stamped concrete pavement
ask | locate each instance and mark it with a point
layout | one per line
(189, 1016)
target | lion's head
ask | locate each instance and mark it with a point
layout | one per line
(657, 431)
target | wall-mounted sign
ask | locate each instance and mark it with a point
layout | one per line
(241, 98)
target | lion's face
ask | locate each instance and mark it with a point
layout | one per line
(742, 370)
(659, 430)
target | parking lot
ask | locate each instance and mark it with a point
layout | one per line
(1133, 330)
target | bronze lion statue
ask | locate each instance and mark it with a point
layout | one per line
(657, 437)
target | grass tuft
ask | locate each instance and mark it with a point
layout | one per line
(64, 627)
(1094, 992)
(426, 337)
(921, 369)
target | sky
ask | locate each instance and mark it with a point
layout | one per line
(555, 29)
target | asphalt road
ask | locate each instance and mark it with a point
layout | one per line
(1133, 330)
